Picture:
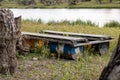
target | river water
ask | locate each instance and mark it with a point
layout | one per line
(97, 16)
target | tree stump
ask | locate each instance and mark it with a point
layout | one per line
(8, 38)
(112, 71)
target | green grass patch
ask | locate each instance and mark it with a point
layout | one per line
(39, 53)
(112, 24)
(77, 22)
(65, 22)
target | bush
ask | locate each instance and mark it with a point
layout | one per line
(112, 24)
(26, 2)
(50, 2)
(84, 23)
(73, 2)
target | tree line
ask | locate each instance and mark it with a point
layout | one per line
(52, 2)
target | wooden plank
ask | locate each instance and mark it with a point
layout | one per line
(89, 36)
(53, 36)
(53, 40)
(91, 42)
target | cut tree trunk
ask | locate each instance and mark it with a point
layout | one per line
(21, 46)
(112, 71)
(9, 30)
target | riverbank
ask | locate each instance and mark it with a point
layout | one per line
(64, 5)
(88, 67)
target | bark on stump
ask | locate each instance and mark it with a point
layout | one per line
(8, 38)
(112, 71)
(21, 46)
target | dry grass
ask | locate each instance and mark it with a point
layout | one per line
(53, 69)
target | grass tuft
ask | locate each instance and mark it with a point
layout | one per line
(65, 22)
(112, 24)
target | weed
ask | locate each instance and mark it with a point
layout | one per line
(43, 51)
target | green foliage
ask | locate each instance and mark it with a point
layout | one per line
(39, 21)
(26, 2)
(84, 23)
(66, 22)
(42, 51)
(60, 4)
(112, 24)
(50, 2)
(73, 2)
(58, 22)
(77, 22)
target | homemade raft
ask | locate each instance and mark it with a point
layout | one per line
(67, 43)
